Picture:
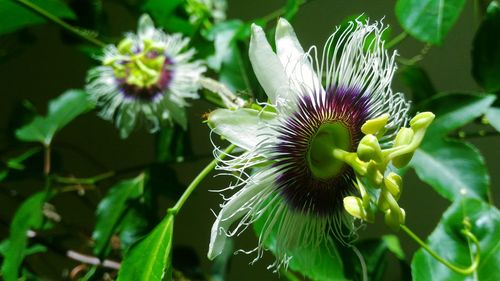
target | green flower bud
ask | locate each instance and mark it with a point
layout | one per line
(394, 218)
(369, 149)
(404, 137)
(394, 184)
(355, 207)
(373, 126)
(422, 120)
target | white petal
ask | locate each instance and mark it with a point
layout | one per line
(146, 27)
(266, 65)
(297, 65)
(244, 127)
(234, 209)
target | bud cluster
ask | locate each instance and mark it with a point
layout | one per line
(370, 163)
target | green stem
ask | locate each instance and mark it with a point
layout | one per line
(91, 180)
(37, 9)
(176, 208)
(464, 271)
(396, 40)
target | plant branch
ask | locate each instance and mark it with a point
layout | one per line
(396, 40)
(46, 160)
(464, 271)
(176, 208)
(37, 9)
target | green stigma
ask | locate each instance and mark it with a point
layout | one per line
(320, 159)
(142, 69)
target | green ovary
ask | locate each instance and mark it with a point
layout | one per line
(320, 159)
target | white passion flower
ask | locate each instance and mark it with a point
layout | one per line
(288, 177)
(147, 77)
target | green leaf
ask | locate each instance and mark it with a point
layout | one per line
(17, 163)
(448, 242)
(227, 59)
(393, 245)
(35, 249)
(485, 50)
(112, 208)
(454, 111)
(28, 216)
(419, 83)
(329, 265)
(428, 20)
(14, 16)
(151, 258)
(134, 225)
(62, 110)
(453, 168)
(493, 116)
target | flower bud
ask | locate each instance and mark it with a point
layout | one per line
(369, 149)
(355, 207)
(394, 184)
(394, 218)
(375, 125)
(404, 137)
(422, 120)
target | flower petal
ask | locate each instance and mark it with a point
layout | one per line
(234, 209)
(146, 27)
(297, 65)
(266, 65)
(244, 127)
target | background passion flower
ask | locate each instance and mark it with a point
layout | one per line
(297, 185)
(147, 76)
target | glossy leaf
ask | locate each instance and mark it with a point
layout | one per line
(454, 111)
(14, 16)
(418, 82)
(493, 116)
(454, 169)
(227, 58)
(62, 110)
(485, 51)
(150, 258)
(428, 20)
(28, 216)
(328, 266)
(112, 209)
(448, 241)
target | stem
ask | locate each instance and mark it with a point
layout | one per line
(37, 9)
(464, 271)
(396, 40)
(91, 180)
(176, 208)
(46, 159)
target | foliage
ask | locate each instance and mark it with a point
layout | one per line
(132, 237)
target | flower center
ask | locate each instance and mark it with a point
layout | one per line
(320, 159)
(143, 71)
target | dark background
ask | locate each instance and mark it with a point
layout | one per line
(45, 69)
